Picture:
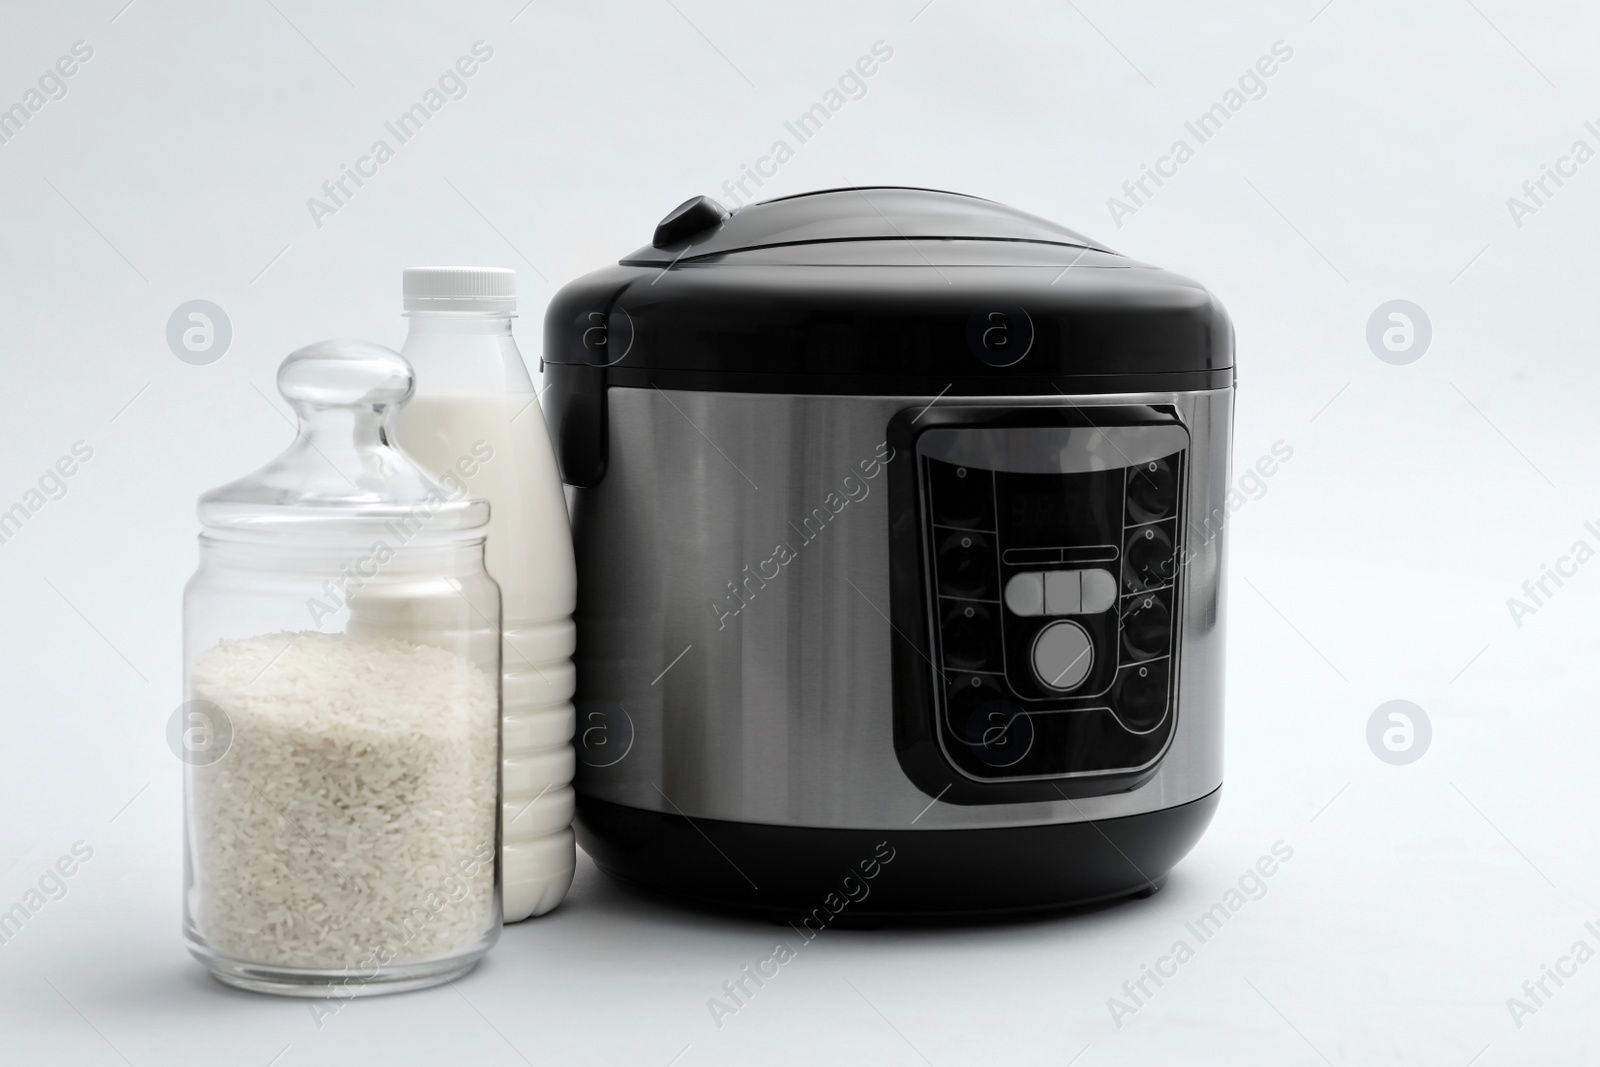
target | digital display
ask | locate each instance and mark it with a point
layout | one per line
(1038, 510)
(1060, 509)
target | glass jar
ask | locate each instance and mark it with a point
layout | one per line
(342, 716)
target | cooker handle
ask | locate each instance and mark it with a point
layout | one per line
(578, 421)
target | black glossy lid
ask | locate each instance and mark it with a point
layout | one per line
(884, 291)
(702, 227)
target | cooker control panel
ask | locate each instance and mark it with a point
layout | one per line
(1050, 574)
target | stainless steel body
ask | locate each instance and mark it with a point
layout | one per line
(742, 682)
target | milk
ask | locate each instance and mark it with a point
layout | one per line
(495, 444)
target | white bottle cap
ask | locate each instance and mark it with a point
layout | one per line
(460, 289)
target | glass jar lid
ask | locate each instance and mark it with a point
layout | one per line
(344, 474)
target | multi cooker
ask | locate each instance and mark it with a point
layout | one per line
(899, 529)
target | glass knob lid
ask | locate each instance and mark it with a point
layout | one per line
(345, 374)
(343, 470)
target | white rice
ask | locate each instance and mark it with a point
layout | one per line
(352, 819)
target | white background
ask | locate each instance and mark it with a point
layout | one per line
(1376, 565)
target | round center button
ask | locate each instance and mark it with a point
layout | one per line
(1062, 655)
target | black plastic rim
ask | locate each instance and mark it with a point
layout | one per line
(843, 876)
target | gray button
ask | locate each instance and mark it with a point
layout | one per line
(1099, 591)
(1062, 655)
(1061, 595)
(1025, 593)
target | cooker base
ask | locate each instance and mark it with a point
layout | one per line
(820, 877)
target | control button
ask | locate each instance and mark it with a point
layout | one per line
(1099, 590)
(1140, 696)
(966, 566)
(1150, 560)
(1062, 656)
(1075, 592)
(962, 496)
(1061, 593)
(1146, 625)
(1025, 594)
(1152, 490)
(970, 637)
